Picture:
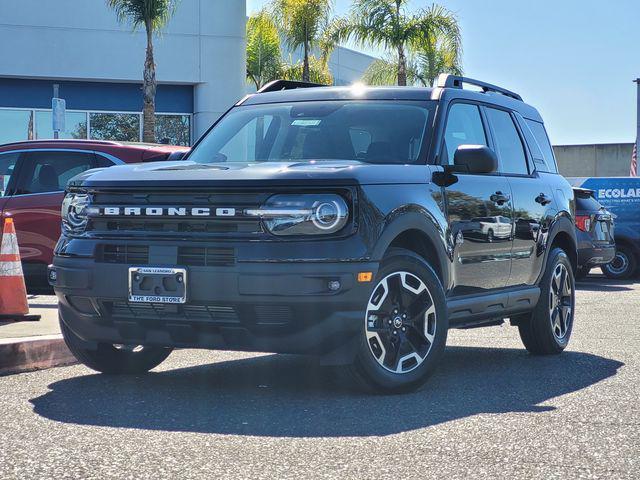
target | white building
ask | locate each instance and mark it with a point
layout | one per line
(98, 62)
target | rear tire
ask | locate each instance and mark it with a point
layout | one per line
(404, 329)
(107, 358)
(623, 265)
(547, 330)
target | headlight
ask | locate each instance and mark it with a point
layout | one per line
(74, 213)
(303, 214)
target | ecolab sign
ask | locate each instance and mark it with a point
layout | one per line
(619, 193)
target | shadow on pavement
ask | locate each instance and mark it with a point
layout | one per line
(601, 283)
(289, 396)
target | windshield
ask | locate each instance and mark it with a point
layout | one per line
(370, 131)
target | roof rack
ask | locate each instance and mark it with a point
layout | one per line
(446, 80)
(278, 85)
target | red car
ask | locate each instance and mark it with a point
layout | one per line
(33, 175)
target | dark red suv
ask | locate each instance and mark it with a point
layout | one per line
(33, 175)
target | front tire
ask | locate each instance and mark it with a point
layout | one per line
(547, 330)
(114, 359)
(404, 329)
(623, 265)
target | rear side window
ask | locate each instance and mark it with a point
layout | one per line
(464, 127)
(50, 171)
(7, 167)
(542, 139)
(508, 143)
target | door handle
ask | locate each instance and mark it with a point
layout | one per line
(499, 198)
(542, 199)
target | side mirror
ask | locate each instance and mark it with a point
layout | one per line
(475, 159)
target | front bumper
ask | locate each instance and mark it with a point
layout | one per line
(282, 307)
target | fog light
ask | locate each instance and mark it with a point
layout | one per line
(53, 275)
(334, 285)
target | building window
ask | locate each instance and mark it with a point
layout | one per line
(75, 125)
(16, 125)
(123, 127)
(173, 129)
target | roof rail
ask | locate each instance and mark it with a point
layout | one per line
(446, 80)
(278, 85)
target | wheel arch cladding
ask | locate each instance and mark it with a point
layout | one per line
(563, 235)
(419, 234)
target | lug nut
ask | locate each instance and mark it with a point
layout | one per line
(404, 329)
(395, 332)
(404, 315)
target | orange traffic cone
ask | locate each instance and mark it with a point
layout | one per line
(13, 292)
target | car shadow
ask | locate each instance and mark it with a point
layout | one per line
(290, 396)
(600, 283)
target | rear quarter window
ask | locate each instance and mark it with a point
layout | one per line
(544, 146)
(587, 204)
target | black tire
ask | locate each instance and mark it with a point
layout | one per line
(106, 358)
(623, 266)
(426, 317)
(537, 330)
(582, 272)
(490, 236)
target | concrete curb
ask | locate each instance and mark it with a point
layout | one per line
(33, 353)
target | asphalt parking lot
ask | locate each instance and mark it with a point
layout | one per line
(491, 411)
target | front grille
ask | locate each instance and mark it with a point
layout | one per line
(160, 311)
(187, 256)
(130, 254)
(206, 256)
(172, 226)
(261, 315)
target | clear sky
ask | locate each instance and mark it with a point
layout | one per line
(574, 60)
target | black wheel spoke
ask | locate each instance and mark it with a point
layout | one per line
(419, 306)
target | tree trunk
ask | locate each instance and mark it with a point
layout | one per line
(305, 65)
(149, 92)
(402, 67)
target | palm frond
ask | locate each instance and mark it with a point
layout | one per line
(152, 13)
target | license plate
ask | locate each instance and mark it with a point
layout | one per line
(157, 285)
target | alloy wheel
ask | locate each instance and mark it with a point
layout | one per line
(400, 322)
(619, 264)
(561, 302)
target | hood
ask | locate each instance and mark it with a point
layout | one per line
(172, 174)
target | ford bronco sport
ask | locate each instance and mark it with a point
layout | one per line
(339, 222)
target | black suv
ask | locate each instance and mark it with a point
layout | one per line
(347, 223)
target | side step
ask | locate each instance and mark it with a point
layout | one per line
(477, 309)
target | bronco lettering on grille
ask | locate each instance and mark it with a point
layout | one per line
(167, 212)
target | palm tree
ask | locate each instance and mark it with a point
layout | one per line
(318, 71)
(264, 56)
(154, 15)
(422, 68)
(302, 23)
(430, 32)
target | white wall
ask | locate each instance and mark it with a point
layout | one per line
(203, 45)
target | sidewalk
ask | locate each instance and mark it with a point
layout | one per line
(28, 346)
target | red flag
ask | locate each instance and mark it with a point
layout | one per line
(633, 171)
